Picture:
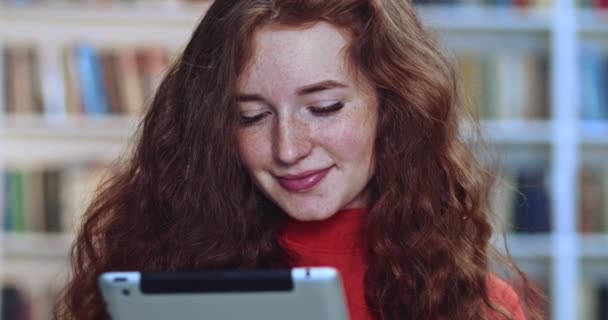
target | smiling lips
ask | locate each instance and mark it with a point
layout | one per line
(304, 181)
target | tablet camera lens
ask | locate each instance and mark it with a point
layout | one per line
(126, 292)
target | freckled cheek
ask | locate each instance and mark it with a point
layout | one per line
(352, 143)
(252, 150)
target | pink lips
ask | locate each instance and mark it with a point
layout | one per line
(304, 181)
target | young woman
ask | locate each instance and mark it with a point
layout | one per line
(302, 133)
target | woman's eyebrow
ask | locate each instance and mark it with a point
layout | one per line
(320, 86)
(249, 97)
(307, 89)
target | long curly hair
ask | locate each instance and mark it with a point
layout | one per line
(183, 200)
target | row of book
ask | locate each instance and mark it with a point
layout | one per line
(594, 82)
(15, 304)
(505, 84)
(521, 201)
(53, 200)
(593, 299)
(83, 80)
(49, 200)
(21, 299)
(100, 81)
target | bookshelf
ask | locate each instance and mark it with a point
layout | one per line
(560, 142)
(32, 141)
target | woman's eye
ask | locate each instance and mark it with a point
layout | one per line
(326, 110)
(249, 120)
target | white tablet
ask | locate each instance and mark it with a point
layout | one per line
(299, 293)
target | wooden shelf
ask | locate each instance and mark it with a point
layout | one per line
(33, 140)
(521, 246)
(36, 245)
(170, 23)
(116, 24)
(77, 126)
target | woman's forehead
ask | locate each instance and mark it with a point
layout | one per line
(290, 57)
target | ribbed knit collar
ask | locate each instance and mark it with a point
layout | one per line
(341, 232)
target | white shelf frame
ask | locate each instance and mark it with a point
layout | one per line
(116, 25)
(521, 246)
(32, 141)
(37, 245)
(564, 171)
(593, 133)
(486, 19)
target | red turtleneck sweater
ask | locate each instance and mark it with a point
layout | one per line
(336, 242)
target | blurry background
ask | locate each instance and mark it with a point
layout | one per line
(75, 76)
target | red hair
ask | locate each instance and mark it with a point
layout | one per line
(185, 202)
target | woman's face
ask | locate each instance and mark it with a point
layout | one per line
(307, 124)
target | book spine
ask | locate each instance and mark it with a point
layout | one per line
(532, 207)
(89, 71)
(52, 85)
(3, 81)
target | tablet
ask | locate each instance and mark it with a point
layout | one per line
(299, 293)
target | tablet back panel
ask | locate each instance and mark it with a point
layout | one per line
(314, 293)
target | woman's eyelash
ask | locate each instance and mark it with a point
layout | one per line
(329, 109)
(248, 120)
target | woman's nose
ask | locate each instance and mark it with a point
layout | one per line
(292, 141)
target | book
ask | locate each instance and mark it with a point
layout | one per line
(14, 218)
(505, 85)
(52, 84)
(50, 199)
(593, 79)
(532, 213)
(78, 186)
(502, 201)
(17, 91)
(602, 301)
(472, 84)
(33, 200)
(15, 304)
(152, 63)
(72, 87)
(51, 180)
(81, 79)
(131, 90)
(3, 80)
(590, 200)
(93, 92)
(111, 81)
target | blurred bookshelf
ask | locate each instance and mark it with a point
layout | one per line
(533, 71)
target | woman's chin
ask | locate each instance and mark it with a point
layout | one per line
(310, 215)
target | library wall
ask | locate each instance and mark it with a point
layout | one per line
(70, 101)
